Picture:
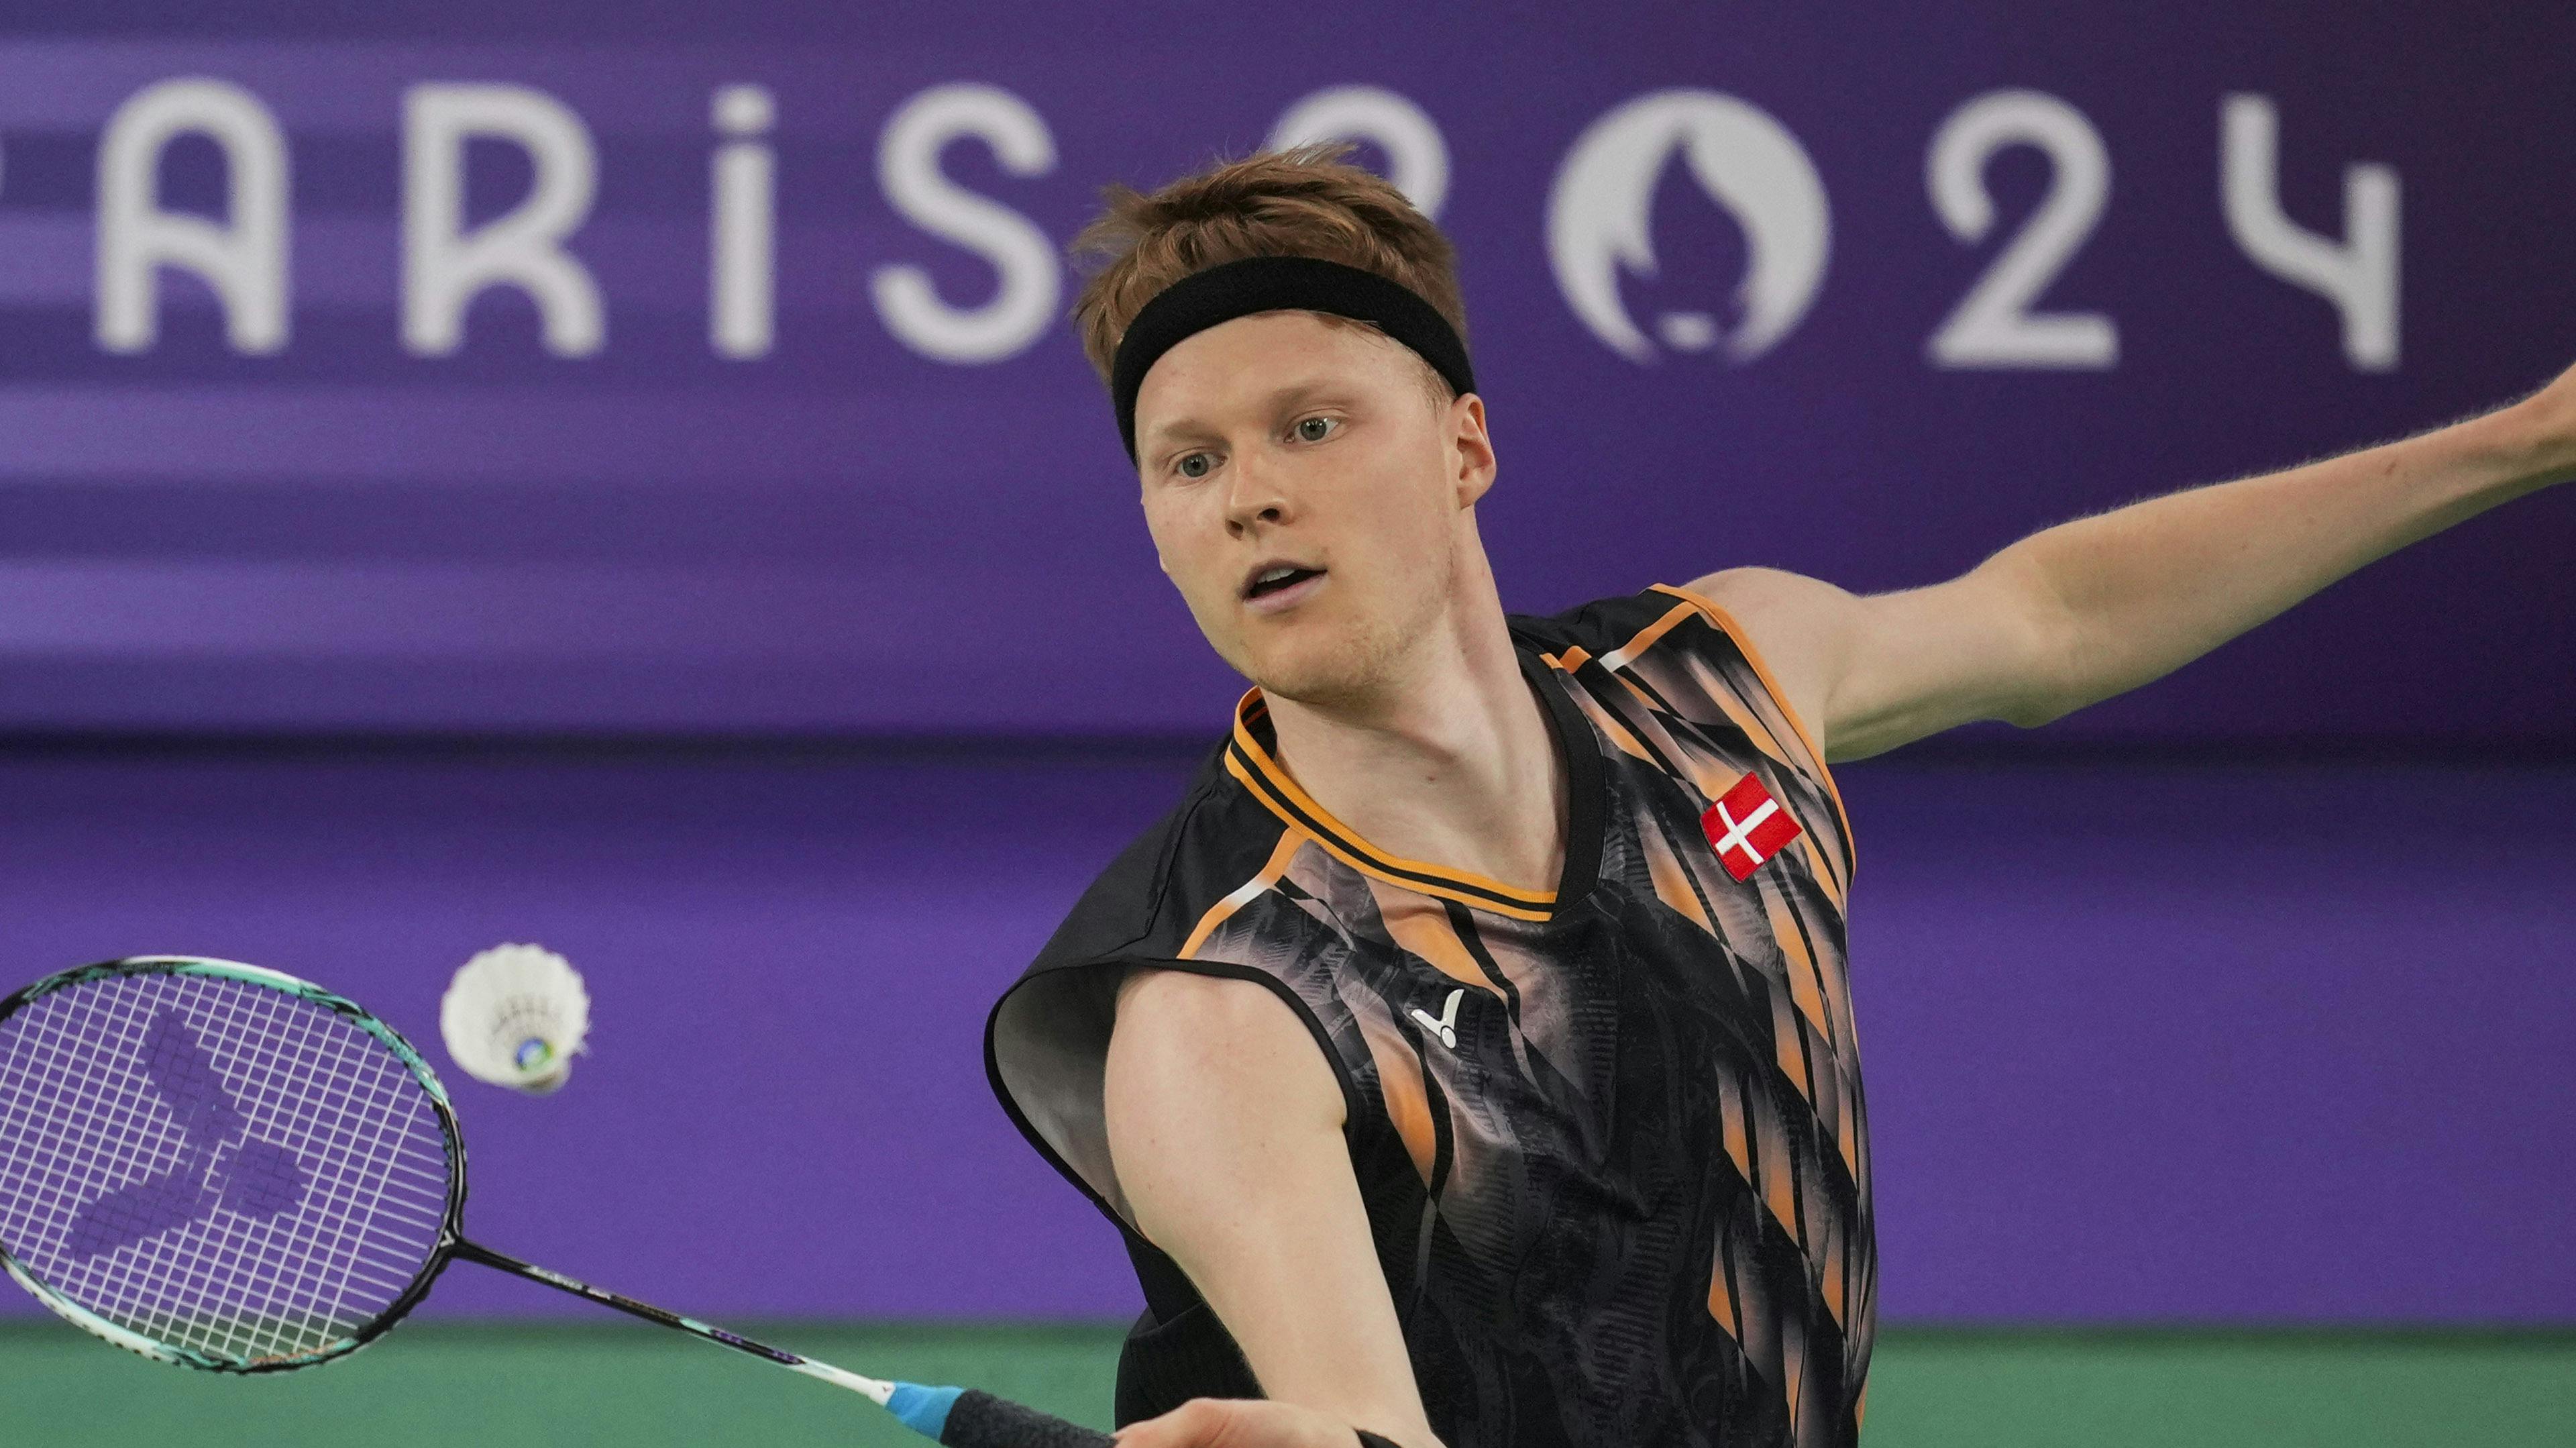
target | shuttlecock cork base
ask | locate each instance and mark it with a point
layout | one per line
(514, 1016)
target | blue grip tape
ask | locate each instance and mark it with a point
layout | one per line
(923, 1410)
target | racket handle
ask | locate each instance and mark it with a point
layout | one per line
(980, 1420)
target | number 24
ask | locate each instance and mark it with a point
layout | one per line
(1994, 326)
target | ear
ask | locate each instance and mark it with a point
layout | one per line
(1471, 448)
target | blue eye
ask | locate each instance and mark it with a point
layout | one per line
(1195, 465)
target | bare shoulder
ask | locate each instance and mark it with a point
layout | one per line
(1802, 628)
(1221, 1115)
(1774, 599)
(1185, 1041)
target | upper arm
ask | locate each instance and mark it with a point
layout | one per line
(1225, 1126)
(1868, 673)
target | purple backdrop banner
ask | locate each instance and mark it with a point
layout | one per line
(514, 368)
(2143, 1043)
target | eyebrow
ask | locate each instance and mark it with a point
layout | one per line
(1286, 399)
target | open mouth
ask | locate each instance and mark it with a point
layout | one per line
(1278, 579)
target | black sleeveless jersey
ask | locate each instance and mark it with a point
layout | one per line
(1610, 1137)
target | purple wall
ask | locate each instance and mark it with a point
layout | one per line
(2147, 1040)
(2144, 1042)
(846, 534)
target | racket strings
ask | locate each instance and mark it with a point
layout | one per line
(312, 1213)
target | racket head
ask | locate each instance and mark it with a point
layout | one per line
(218, 1165)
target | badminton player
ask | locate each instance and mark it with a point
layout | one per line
(1467, 1059)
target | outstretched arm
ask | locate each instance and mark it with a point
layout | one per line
(1225, 1123)
(2098, 606)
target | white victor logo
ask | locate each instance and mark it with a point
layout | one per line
(1445, 1025)
(1598, 218)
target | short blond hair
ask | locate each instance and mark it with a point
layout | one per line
(1304, 202)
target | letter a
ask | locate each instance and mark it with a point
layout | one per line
(243, 260)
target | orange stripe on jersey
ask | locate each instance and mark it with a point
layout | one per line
(1719, 692)
(1789, 1047)
(1651, 724)
(1805, 981)
(1780, 700)
(1341, 849)
(1721, 1299)
(1730, 1109)
(1609, 724)
(1673, 884)
(1290, 841)
(1844, 1141)
(1835, 1243)
(1826, 877)
(1645, 638)
(1779, 1191)
(1738, 713)
(1423, 928)
(1399, 1083)
(1252, 766)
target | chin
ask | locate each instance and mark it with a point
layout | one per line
(1336, 668)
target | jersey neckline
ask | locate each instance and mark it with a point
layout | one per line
(1249, 759)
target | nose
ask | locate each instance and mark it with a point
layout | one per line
(1253, 498)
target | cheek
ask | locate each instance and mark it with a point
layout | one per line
(1180, 544)
(1162, 546)
(1408, 515)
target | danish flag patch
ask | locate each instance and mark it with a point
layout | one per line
(1746, 827)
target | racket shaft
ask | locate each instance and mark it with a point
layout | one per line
(876, 1390)
(960, 1420)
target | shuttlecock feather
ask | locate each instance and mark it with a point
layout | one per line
(514, 1016)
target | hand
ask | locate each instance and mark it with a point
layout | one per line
(1239, 1423)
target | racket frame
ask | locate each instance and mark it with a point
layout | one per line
(450, 1233)
(926, 1410)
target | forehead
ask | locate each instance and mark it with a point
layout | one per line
(1244, 362)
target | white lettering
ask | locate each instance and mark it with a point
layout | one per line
(244, 260)
(1024, 303)
(2359, 276)
(444, 266)
(1417, 156)
(1994, 325)
(742, 265)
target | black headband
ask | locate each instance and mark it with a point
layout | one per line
(1279, 284)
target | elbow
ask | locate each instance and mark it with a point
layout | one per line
(2032, 713)
(2053, 692)
(2056, 661)
(2054, 687)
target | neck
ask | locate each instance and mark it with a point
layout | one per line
(1453, 764)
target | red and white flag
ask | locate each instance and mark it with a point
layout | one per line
(1747, 826)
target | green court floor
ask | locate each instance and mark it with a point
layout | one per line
(579, 1386)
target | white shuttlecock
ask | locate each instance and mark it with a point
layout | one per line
(514, 1016)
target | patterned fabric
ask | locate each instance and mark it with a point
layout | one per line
(1611, 1137)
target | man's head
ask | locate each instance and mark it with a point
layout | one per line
(1309, 482)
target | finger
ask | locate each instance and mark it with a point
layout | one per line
(1194, 1424)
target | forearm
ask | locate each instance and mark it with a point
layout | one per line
(2135, 593)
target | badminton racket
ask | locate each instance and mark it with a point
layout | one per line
(233, 1170)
